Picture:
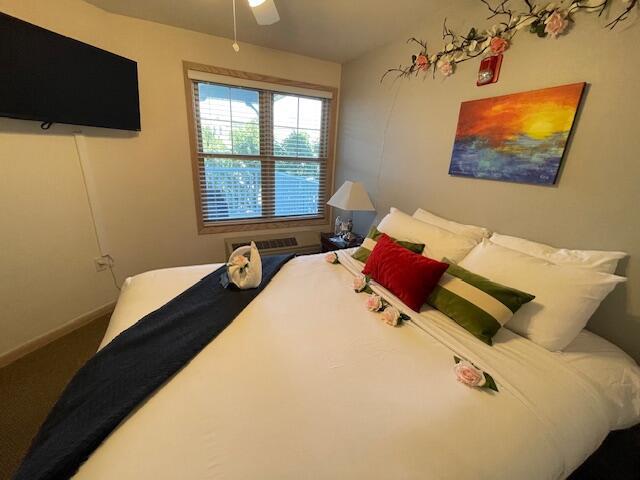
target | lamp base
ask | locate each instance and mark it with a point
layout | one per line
(349, 236)
(343, 226)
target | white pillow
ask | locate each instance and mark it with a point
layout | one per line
(566, 296)
(600, 261)
(439, 243)
(614, 373)
(471, 231)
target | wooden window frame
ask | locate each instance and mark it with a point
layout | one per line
(259, 223)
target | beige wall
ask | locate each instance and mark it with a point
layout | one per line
(408, 142)
(143, 182)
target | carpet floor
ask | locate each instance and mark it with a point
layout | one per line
(30, 386)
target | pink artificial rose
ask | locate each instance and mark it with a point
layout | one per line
(240, 261)
(422, 62)
(391, 316)
(446, 68)
(374, 303)
(468, 374)
(359, 283)
(498, 45)
(555, 24)
(331, 257)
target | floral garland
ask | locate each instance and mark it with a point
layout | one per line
(550, 21)
(466, 372)
(374, 303)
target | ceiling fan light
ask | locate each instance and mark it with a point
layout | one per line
(265, 11)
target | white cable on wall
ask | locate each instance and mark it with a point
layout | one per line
(384, 140)
(95, 211)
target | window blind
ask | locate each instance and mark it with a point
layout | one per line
(257, 84)
(262, 154)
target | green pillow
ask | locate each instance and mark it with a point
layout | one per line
(474, 302)
(362, 254)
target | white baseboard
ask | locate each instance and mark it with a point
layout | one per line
(39, 342)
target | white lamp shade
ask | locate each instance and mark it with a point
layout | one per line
(351, 196)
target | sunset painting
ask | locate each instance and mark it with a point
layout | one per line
(518, 138)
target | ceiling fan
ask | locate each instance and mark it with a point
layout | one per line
(264, 11)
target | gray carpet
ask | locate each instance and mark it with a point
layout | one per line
(30, 386)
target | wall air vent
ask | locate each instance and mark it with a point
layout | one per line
(271, 243)
(298, 242)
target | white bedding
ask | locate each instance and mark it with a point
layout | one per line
(306, 383)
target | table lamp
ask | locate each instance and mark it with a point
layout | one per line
(351, 196)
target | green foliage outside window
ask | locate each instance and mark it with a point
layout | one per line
(246, 141)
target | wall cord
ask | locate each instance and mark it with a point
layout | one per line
(109, 258)
(384, 140)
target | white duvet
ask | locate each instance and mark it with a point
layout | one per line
(307, 384)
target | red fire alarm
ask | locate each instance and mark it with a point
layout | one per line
(489, 70)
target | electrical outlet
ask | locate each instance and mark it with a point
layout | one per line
(102, 263)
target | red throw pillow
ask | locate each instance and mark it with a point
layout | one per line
(409, 276)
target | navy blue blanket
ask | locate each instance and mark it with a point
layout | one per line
(130, 368)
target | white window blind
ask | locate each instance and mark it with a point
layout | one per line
(262, 154)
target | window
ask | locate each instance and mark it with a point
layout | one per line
(261, 150)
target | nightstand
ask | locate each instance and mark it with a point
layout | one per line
(331, 243)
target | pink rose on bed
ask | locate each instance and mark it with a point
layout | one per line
(422, 62)
(498, 45)
(555, 24)
(331, 257)
(446, 68)
(359, 283)
(374, 303)
(240, 261)
(391, 316)
(468, 374)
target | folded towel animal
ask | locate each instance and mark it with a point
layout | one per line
(245, 272)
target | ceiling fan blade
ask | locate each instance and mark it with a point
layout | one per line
(265, 12)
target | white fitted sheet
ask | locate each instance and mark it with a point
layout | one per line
(306, 383)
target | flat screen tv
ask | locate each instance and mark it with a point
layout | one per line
(54, 79)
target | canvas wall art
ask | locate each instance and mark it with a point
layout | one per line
(520, 137)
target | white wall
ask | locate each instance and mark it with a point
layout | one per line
(143, 182)
(397, 138)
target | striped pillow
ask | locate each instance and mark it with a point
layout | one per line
(362, 254)
(476, 303)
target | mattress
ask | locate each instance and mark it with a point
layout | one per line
(306, 383)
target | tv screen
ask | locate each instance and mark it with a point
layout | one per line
(55, 79)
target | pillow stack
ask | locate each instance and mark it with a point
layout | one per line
(392, 255)
(543, 293)
(566, 296)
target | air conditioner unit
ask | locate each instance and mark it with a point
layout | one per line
(296, 242)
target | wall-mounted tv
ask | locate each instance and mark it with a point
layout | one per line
(54, 79)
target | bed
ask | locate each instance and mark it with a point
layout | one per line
(306, 383)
